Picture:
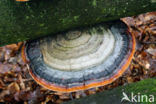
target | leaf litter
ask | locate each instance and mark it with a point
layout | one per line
(16, 85)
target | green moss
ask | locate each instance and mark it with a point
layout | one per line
(76, 18)
(114, 96)
(41, 25)
(29, 20)
(94, 3)
(153, 1)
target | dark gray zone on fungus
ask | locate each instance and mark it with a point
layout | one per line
(37, 67)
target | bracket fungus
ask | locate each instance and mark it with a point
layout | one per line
(80, 59)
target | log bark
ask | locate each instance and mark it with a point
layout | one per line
(21, 21)
(145, 87)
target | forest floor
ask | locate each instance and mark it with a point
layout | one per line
(17, 86)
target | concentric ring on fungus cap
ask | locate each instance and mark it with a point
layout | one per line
(80, 59)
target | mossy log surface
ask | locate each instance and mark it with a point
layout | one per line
(21, 21)
(114, 96)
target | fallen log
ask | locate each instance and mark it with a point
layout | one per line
(141, 92)
(21, 21)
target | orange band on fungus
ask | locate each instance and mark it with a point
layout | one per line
(91, 85)
(23, 54)
(54, 87)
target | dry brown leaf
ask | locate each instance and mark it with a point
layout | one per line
(13, 88)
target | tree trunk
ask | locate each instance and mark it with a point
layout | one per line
(21, 21)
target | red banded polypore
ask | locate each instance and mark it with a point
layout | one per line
(80, 59)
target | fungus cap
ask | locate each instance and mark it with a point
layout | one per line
(80, 59)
